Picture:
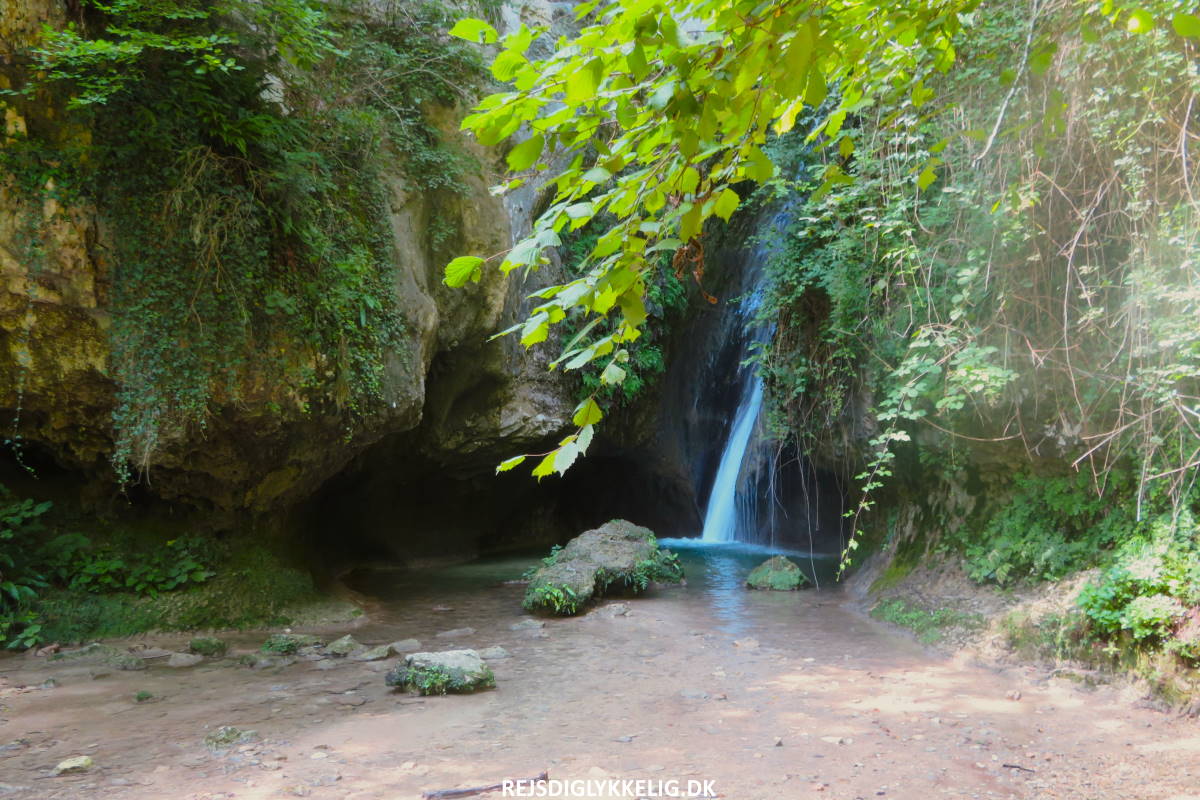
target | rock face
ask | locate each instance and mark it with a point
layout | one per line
(618, 555)
(462, 397)
(779, 574)
(448, 672)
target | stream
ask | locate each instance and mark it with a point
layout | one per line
(766, 696)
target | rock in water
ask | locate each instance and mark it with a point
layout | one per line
(779, 574)
(375, 653)
(494, 653)
(448, 672)
(617, 555)
(343, 646)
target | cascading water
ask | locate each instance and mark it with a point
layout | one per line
(721, 518)
(731, 511)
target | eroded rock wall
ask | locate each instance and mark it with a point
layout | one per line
(462, 398)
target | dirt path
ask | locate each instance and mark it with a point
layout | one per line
(824, 703)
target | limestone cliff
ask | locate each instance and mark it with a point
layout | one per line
(462, 398)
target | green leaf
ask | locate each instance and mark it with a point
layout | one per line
(1140, 21)
(475, 30)
(582, 83)
(587, 413)
(509, 463)
(1187, 25)
(727, 203)
(526, 154)
(927, 177)
(612, 375)
(545, 467)
(463, 269)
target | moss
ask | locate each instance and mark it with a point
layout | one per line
(777, 574)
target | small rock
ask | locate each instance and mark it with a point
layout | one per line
(227, 736)
(50, 683)
(442, 609)
(527, 624)
(343, 646)
(209, 646)
(405, 646)
(836, 740)
(614, 610)
(624, 739)
(268, 662)
(184, 660)
(1015, 694)
(76, 764)
(456, 633)
(375, 653)
(746, 644)
(493, 653)
(779, 741)
(693, 694)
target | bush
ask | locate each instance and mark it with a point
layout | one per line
(1152, 584)
(1050, 528)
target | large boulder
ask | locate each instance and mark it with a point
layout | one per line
(779, 574)
(448, 672)
(618, 555)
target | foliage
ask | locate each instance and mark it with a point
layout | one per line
(437, 680)
(665, 298)
(660, 125)
(1151, 586)
(281, 644)
(560, 599)
(1010, 259)
(20, 575)
(243, 150)
(78, 566)
(1049, 528)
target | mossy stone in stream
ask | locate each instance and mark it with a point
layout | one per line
(448, 672)
(779, 574)
(616, 556)
(209, 646)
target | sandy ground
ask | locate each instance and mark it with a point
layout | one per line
(795, 696)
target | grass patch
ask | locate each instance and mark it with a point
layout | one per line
(930, 625)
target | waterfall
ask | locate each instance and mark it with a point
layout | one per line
(721, 518)
(731, 514)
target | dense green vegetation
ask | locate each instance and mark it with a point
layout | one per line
(59, 585)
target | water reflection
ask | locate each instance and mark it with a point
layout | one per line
(716, 572)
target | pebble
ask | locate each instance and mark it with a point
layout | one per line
(527, 624)
(746, 644)
(456, 633)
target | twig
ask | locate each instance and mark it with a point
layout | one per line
(441, 794)
(1018, 766)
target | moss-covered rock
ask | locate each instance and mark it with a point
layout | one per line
(448, 672)
(617, 555)
(777, 573)
(209, 646)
